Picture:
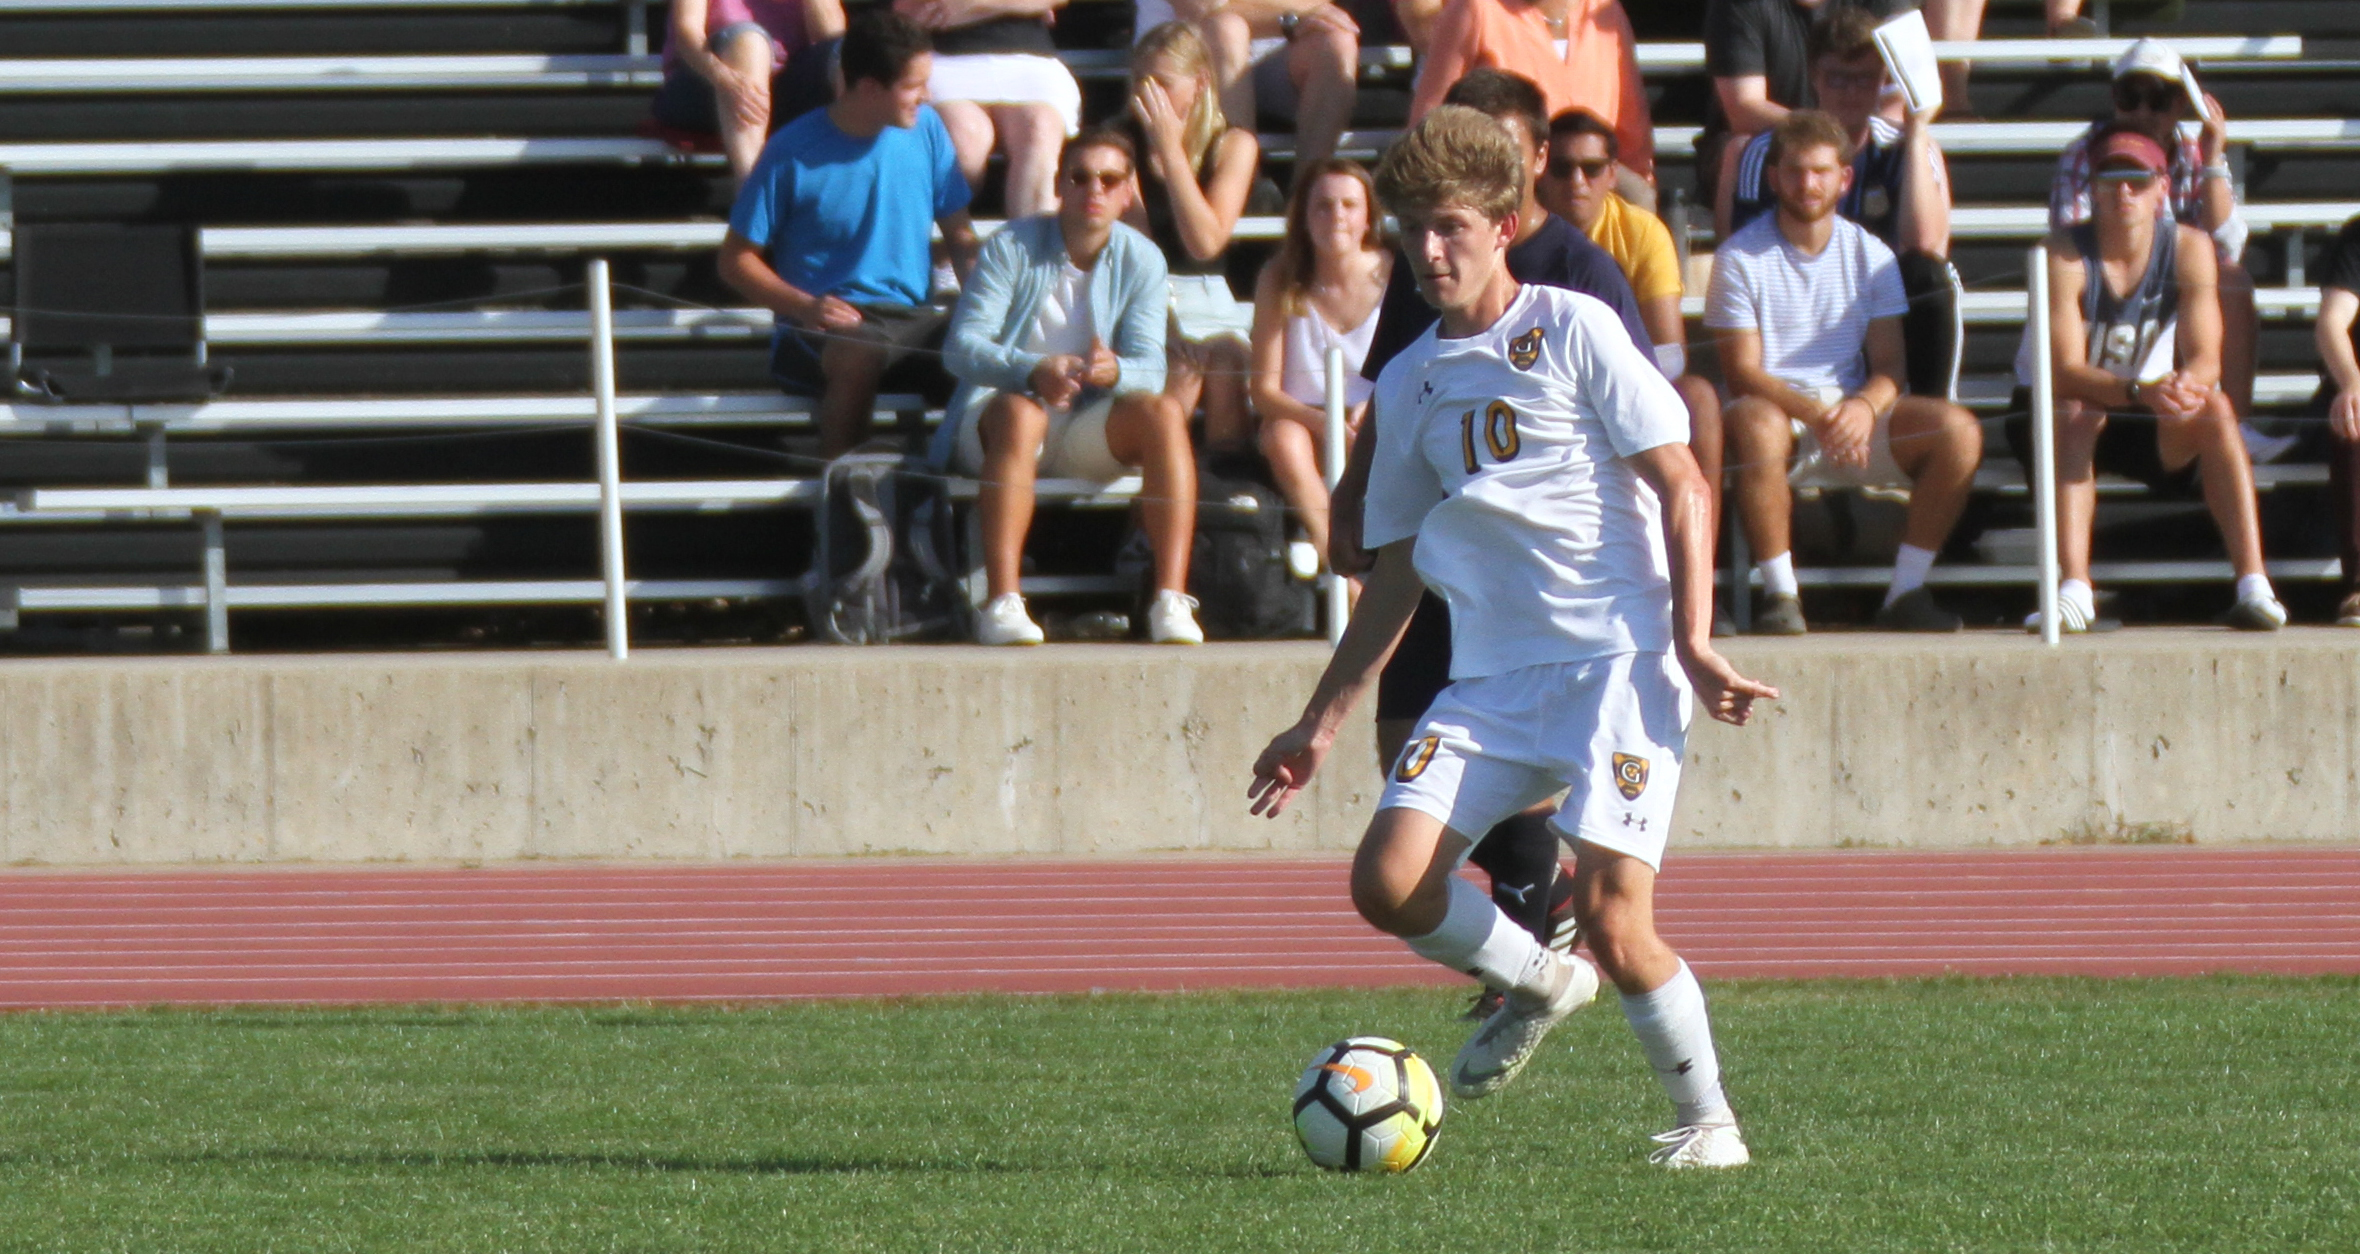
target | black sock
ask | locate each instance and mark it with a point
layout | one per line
(1520, 855)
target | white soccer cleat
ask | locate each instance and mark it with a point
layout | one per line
(1171, 619)
(1004, 621)
(1701, 1145)
(1506, 1041)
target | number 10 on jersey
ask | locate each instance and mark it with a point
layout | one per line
(1499, 433)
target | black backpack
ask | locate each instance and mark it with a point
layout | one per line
(1238, 569)
(877, 572)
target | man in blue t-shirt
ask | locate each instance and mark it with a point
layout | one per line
(832, 229)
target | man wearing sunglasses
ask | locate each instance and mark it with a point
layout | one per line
(1900, 192)
(2151, 96)
(2135, 339)
(1058, 345)
(1578, 185)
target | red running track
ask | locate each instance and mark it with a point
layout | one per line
(844, 929)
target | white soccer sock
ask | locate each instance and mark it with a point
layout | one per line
(1778, 575)
(2255, 588)
(1477, 938)
(1909, 571)
(1677, 1038)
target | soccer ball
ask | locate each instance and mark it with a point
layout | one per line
(1368, 1104)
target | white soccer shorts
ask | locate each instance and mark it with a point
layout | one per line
(1611, 730)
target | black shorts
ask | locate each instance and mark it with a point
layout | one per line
(1420, 666)
(2127, 447)
(902, 329)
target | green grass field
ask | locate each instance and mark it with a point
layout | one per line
(2023, 1114)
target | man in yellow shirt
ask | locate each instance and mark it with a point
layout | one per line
(1578, 186)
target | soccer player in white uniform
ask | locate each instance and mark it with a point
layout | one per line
(1532, 467)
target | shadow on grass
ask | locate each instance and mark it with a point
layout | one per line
(668, 1164)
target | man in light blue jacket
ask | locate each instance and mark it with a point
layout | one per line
(1042, 393)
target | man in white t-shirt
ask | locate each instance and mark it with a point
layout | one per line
(1807, 308)
(1531, 467)
(1058, 345)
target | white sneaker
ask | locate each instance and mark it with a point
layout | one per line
(2262, 613)
(1506, 1041)
(1004, 621)
(1171, 619)
(1701, 1145)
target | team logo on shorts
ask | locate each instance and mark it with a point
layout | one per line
(1414, 757)
(1630, 775)
(1525, 349)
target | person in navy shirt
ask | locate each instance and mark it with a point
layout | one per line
(832, 231)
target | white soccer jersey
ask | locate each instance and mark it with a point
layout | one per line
(1502, 453)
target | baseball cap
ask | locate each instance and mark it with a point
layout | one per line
(2149, 56)
(2130, 145)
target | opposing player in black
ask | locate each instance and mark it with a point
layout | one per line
(1520, 855)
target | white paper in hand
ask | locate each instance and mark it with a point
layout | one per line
(1908, 51)
(2195, 91)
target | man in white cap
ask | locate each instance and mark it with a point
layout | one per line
(2152, 94)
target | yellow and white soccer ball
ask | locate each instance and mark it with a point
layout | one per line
(1368, 1104)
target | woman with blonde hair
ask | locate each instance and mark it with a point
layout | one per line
(1195, 174)
(1321, 291)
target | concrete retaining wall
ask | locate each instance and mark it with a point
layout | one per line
(1083, 750)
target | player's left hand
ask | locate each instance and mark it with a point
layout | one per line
(1849, 427)
(1286, 767)
(1101, 369)
(1725, 694)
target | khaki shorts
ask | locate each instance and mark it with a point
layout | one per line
(1812, 468)
(1074, 448)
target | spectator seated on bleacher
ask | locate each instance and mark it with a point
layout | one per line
(1042, 392)
(997, 80)
(1196, 173)
(832, 230)
(1755, 52)
(737, 68)
(1295, 59)
(1807, 306)
(1578, 185)
(2135, 344)
(2150, 96)
(1323, 290)
(2338, 334)
(1900, 191)
(1582, 54)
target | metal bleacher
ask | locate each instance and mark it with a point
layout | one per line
(398, 196)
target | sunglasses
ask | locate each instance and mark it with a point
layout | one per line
(2136, 180)
(1841, 81)
(1564, 167)
(2153, 95)
(1106, 179)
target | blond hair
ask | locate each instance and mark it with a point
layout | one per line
(1179, 43)
(1453, 156)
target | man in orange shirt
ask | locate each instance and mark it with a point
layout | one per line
(1581, 53)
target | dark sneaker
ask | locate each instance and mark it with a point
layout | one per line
(1723, 625)
(2348, 614)
(1781, 615)
(1915, 610)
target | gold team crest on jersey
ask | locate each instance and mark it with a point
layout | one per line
(1525, 349)
(1630, 775)
(1415, 756)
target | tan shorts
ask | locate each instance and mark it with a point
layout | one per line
(1074, 448)
(1811, 467)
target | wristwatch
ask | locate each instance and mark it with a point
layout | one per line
(1287, 22)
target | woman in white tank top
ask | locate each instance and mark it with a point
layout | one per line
(1322, 290)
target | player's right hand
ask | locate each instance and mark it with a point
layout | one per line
(1725, 694)
(1286, 767)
